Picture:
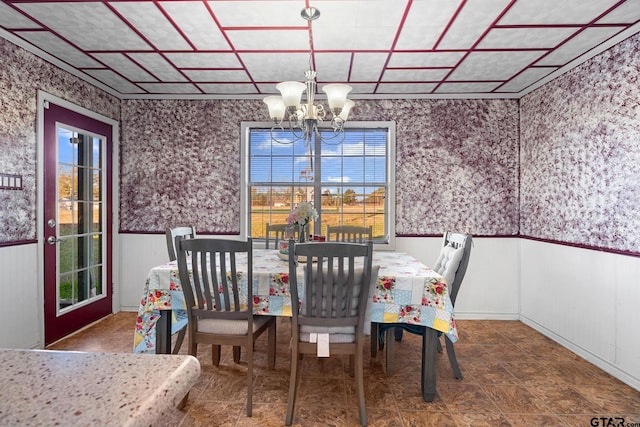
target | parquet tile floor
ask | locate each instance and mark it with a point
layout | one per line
(513, 376)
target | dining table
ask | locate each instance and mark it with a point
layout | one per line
(405, 291)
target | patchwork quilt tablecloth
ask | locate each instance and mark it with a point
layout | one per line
(406, 291)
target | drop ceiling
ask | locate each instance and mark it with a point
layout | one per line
(382, 48)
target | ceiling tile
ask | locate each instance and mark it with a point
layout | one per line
(471, 23)
(425, 23)
(10, 18)
(499, 65)
(251, 13)
(217, 75)
(117, 82)
(555, 12)
(197, 24)
(424, 59)
(59, 48)
(358, 25)
(125, 67)
(228, 88)
(525, 38)
(173, 88)
(204, 60)
(525, 79)
(276, 67)
(90, 26)
(333, 67)
(583, 42)
(150, 21)
(627, 13)
(466, 87)
(362, 87)
(161, 68)
(269, 40)
(403, 88)
(367, 67)
(415, 75)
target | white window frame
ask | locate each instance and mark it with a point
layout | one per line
(390, 199)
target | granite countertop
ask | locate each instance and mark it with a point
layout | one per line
(43, 387)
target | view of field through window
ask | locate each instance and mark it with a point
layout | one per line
(347, 181)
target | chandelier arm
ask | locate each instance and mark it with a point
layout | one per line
(336, 138)
(298, 135)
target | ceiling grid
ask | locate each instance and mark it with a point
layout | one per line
(382, 48)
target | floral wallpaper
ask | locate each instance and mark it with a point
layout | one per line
(580, 137)
(562, 163)
(181, 163)
(21, 75)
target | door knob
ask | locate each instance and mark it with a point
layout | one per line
(52, 240)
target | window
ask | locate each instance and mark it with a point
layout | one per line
(349, 182)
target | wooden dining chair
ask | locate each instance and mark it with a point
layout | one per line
(349, 233)
(186, 232)
(219, 301)
(452, 263)
(330, 318)
(279, 232)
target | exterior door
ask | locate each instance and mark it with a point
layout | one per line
(77, 221)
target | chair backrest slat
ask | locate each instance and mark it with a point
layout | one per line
(175, 234)
(280, 232)
(215, 277)
(349, 233)
(336, 287)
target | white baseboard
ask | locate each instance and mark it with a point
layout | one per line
(601, 363)
(471, 315)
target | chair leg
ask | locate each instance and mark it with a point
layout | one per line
(375, 338)
(181, 333)
(359, 374)
(389, 353)
(237, 351)
(215, 355)
(452, 358)
(249, 377)
(293, 383)
(183, 402)
(439, 348)
(271, 346)
(193, 346)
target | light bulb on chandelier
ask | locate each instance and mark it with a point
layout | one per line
(303, 118)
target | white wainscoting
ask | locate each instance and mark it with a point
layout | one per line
(21, 314)
(490, 289)
(139, 253)
(588, 301)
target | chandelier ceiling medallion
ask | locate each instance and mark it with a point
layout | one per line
(302, 118)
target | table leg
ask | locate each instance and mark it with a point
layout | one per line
(163, 333)
(389, 353)
(429, 345)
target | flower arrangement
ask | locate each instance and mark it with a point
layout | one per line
(301, 215)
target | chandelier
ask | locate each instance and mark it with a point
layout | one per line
(302, 118)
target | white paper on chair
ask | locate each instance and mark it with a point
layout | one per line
(323, 345)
